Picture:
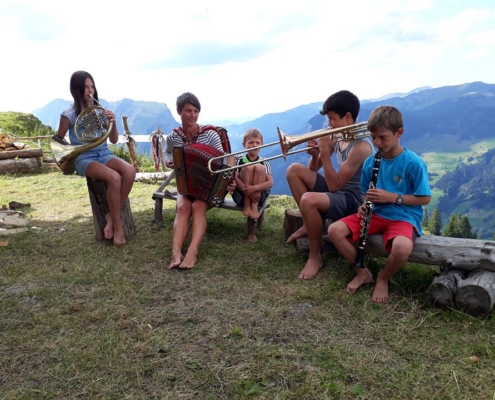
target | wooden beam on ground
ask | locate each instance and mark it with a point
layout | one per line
(25, 153)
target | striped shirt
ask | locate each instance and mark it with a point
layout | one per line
(241, 160)
(178, 138)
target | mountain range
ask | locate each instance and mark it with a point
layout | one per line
(447, 119)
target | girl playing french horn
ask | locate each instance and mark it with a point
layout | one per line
(99, 162)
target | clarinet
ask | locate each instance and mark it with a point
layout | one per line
(365, 222)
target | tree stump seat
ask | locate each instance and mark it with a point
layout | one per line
(99, 205)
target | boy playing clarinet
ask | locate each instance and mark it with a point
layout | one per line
(401, 192)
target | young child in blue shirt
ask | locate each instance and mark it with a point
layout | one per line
(401, 192)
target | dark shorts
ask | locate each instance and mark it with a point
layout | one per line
(342, 204)
(238, 197)
(378, 224)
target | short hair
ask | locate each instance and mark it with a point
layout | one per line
(252, 133)
(186, 98)
(385, 117)
(342, 102)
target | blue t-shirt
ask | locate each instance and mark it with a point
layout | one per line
(404, 174)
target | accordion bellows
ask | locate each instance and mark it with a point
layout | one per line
(193, 177)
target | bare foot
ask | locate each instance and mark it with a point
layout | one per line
(175, 260)
(301, 232)
(251, 238)
(108, 230)
(311, 268)
(380, 294)
(254, 210)
(189, 261)
(246, 210)
(118, 237)
(363, 277)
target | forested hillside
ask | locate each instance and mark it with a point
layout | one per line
(470, 189)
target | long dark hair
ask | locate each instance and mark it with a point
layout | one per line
(77, 86)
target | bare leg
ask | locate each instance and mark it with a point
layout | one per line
(246, 210)
(363, 277)
(114, 228)
(301, 180)
(246, 176)
(199, 209)
(108, 230)
(311, 204)
(259, 176)
(401, 249)
(301, 232)
(180, 231)
(338, 232)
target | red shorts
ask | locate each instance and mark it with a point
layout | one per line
(388, 227)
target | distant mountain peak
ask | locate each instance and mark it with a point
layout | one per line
(393, 95)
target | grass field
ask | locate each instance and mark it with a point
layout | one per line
(84, 320)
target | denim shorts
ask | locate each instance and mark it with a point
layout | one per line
(102, 156)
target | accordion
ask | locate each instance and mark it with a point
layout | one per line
(193, 177)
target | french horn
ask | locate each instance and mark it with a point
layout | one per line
(90, 128)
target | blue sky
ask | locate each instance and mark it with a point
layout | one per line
(242, 59)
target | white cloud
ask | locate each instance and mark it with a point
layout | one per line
(241, 59)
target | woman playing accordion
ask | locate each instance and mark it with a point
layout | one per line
(190, 205)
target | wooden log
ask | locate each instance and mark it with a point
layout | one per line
(476, 294)
(151, 176)
(20, 165)
(441, 292)
(98, 196)
(25, 153)
(446, 252)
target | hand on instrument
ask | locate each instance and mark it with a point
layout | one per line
(169, 163)
(110, 115)
(378, 196)
(231, 187)
(361, 210)
(313, 148)
(326, 144)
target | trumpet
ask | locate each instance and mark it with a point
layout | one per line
(89, 125)
(286, 143)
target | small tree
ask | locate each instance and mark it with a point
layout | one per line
(435, 222)
(424, 224)
(466, 228)
(459, 227)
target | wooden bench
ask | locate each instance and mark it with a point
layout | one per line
(171, 194)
